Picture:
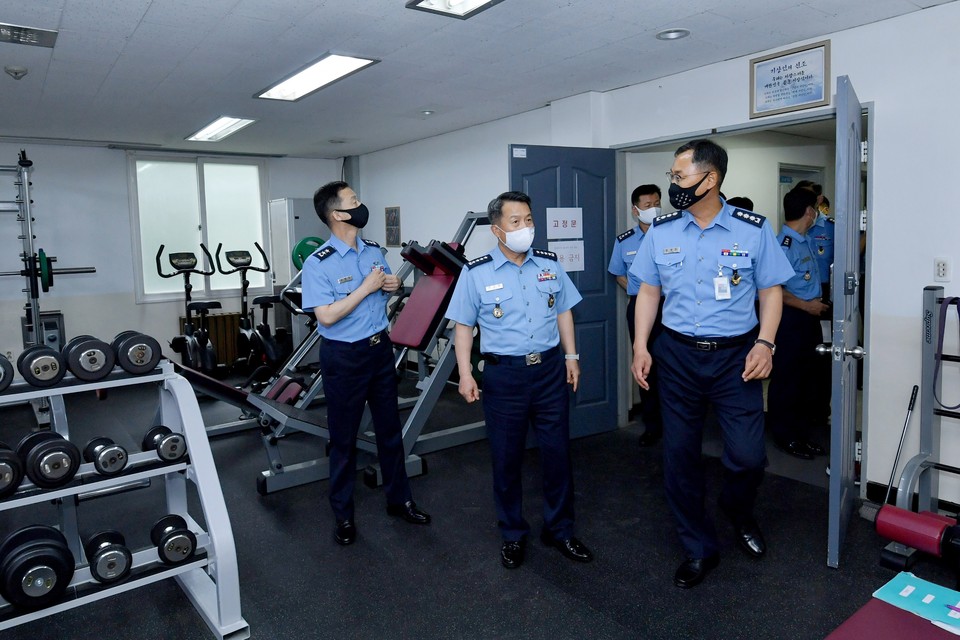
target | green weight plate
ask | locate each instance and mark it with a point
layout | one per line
(303, 250)
(46, 271)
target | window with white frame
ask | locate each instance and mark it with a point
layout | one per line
(181, 202)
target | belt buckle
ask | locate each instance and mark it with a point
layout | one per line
(533, 358)
(375, 339)
(706, 345)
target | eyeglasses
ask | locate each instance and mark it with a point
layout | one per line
(675, 178)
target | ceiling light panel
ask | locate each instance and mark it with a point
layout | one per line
(220, 128)
(315, 76)
(462, 9)
(27, 35)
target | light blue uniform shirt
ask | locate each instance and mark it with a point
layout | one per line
(624, 251)
(333, 272)
(822, 234)
(800, 251)
(527, 298)
(683, 260)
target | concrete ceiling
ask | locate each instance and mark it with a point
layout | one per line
(148, 73)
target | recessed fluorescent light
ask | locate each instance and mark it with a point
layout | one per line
(316, 75)
(673, 34)
(220, 129)
(462, 9)
(27, 35)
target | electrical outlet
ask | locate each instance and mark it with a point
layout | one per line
(9, 354)
(942, 271)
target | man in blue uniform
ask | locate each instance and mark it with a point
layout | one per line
(794, 385)
(711, 262)
(522, 300)
(646, 207)
(346, 283)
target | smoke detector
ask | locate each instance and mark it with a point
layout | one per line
(15, 72)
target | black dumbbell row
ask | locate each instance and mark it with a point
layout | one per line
(36, 565)
(50, 461)
(86, 357)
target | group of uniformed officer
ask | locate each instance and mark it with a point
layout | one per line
(711, 266)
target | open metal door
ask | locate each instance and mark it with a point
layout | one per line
(845, 350)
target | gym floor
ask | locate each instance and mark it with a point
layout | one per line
(445, 580)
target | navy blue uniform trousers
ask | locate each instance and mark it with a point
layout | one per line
(354, 374)
(690, 379)
(649, 398)
(516, 396)
(797, 382)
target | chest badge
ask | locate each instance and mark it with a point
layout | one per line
(735, 278)
(545, 275)
(820, 250)
(497, 311)
(806, 276)
(551, 300)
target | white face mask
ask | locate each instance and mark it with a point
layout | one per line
(519, 240)
(646, 216)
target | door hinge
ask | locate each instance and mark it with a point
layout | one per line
(863, 151)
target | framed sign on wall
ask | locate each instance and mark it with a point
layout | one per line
(790, 80)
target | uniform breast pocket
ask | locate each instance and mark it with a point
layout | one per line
(734, 266)
(492, 302)
(670, 267)
(343, 289)
(549, 291)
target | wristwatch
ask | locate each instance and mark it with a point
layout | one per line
(766, 343)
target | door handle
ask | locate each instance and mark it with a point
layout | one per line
(856, 353)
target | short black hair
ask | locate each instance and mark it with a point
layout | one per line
(495, 208)
(796, 201)
(810, 185)
(707, 153)
(644, 190)
(327, 198)
(741, 202)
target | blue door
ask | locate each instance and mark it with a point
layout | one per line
(584, 178)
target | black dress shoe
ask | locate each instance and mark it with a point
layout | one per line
(813, 448)
(571, 547)
(345, 533)
(750, 538)
(694, 570)
(648, 439)
(512, 553)
(409, 512)
(795, 448)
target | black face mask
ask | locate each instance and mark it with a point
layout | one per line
(358, 216)
(685, 197)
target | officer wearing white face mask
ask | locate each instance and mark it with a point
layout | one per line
(645, 207)
(522, 300)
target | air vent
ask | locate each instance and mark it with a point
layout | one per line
(27, 35)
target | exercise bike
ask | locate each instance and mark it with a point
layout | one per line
(194, 346)
(259, 352)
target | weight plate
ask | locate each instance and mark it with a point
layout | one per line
(138, 354)
(11, 471)
(36, 533)
(111, 564)
(110, 460)
(152, 436)
(177, 546)
(41, 366)
(102, 539)
(90, 451)
(6, 373)
(303, 249)
(65, 348)
(32, 440)
(171, 447)
(37, 577)
(119, 337)
(88, 358)
(46, 271)
(52, 463)
(165, 525)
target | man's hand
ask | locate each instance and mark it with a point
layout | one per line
(391, 283)
(468, 388)
(759, 363)
(573, 374)
(374, 281)
(816, 307)
(641, 367)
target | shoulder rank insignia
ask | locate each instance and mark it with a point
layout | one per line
(626, 234)
(667, 217)
(542, 253)
(325, 253)
(755, 219)
(831, 221)
(479, 261)
(370, 243)
(786, 242)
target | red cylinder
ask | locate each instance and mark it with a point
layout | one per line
(920, 531)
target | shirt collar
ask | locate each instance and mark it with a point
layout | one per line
(722, 219)
(793, 233)
(499, 258)
(342, 247)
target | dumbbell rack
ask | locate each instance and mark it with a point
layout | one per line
(211, 578)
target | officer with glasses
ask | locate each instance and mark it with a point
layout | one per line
(711, 261)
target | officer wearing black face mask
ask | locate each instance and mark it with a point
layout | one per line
(346, 283)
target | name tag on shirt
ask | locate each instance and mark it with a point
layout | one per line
(344, 279)
(493, 287)
(631, 253)
(670, 250)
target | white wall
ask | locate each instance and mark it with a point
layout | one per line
(433, 181)
(82, 217)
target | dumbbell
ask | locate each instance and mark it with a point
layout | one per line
(11, 470)
(41, 366)
(136, 352)
(108, 458)
(174, 541)
(6, 373)
(169, 446)
(49, 459)
(108, 556)
(88, 358)
(36, 566)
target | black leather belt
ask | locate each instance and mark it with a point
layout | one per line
(521, 361)
(710, 343)
(375, 339)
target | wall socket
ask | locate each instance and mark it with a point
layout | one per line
(942, 270)
(8, 353)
